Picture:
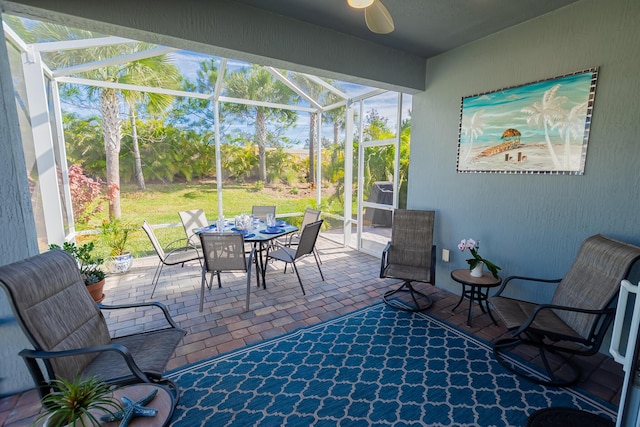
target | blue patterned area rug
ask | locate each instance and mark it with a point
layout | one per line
(374, 367)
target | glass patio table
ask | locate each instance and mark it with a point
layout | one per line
(261, 237)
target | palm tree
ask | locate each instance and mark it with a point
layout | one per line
(315, 92)
(473, 128)
(572, 126)
(109, 98)
(195, 113)
(336, 116)
(138, 74)
(256, 83)
(547, 113)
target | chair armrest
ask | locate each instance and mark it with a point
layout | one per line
(182, 243)
(117, 348)
(161, 306)
(182, 249)
(385, 259)
(541, 307)
(531, 279)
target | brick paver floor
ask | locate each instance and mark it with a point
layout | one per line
(351, 282)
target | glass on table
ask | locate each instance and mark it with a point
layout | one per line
(271, 220)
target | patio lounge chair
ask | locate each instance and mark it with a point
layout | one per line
(410, 256)
(576, 319)
(68, 331)
(175, 256)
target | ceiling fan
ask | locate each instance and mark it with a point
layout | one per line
(376, 15)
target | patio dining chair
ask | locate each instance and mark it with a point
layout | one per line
(174, 256)
(293, 239)
(261, 212)
(305, 247)
(190, 220)
(224, 252)
(576, 319)
(411, 257)
(68, 331)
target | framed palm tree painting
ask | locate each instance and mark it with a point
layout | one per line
(539, 127)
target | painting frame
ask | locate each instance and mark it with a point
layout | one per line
(541, 127)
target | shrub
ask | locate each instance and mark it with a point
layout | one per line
(86, 194)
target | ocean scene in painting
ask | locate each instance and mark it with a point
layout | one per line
(538, 127)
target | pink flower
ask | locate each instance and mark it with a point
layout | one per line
(468, 244)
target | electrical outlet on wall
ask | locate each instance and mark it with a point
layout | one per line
(445, 255)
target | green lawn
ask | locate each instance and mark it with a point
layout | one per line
(159, 204)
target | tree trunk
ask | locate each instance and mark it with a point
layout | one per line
(336, 132)
(136, 148)
(312, 143)
(112, 134)
(261, 139)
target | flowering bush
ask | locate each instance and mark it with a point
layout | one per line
(86, 194)
(473, 247)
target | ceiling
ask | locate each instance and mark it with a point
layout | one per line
(422, 27)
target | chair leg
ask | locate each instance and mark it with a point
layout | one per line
(156, 276)
(203, 282)
(318, 262)
(246, 305)
(298, 274)
(407, 287)
(317, 254)
(568, 375)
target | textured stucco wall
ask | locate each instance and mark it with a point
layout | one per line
(533, 225)
(17, 229)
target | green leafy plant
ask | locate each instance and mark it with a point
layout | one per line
(71, 402)
(473, 247)
(115, 234)
(88, 264)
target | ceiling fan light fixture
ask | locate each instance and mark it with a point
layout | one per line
(378, 18)
(360, 4)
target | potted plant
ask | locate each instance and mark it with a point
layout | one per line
(78, 403)
(115, 234)
(89, 266)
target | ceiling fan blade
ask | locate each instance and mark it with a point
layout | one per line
(378, 18)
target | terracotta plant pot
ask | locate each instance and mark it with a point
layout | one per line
(96, 290)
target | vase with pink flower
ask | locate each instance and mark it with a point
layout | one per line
(477, 262)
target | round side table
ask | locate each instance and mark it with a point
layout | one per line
(163, 402)
(478, 290)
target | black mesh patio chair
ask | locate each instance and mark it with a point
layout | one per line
(305, 247)
(224, 252)
(261, 212)
(68, 331)
(293, 239)
(191, 220)
(576, 319)
(411, 257)
(174, 256)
